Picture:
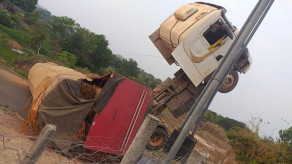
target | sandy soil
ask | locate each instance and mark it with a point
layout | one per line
(14, 44)
(215, 146)
(13, 145)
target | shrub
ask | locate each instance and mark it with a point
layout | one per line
(286, 135)
(250, 148)
(30, 52)
(67, 59)
(44, 50)
(5, 19)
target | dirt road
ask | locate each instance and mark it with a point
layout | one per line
(14, 90)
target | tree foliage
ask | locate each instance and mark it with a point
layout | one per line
(130, 69)
(5, 19)
(63, 26)
(32, 17)
(26, 5)
(250, 148)
(38, 35)
(67, 59)
(224, 122)
(44, 14)
(286, 136)
(91, 49)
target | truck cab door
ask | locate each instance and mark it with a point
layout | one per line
(217, 38)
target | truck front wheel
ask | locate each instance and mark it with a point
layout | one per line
(158, 139)
(230, 82)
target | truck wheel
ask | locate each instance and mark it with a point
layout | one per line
(230, 82)
(158, 139)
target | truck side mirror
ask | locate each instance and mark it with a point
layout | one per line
(228, 31)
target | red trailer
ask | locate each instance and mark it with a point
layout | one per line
(113, 130)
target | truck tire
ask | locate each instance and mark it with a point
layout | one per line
(230, 82)
(158, 139)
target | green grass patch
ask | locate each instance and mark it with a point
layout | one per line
(15, 34)
(8, 56)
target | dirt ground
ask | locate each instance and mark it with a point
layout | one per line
(13, 44)
(13, 145)
(215, 144)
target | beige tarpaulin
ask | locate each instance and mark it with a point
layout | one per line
(56, 100)
(41, 73)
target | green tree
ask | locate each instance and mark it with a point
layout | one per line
(61, 30)
(128, 68)
(91, 50)
(78, 43)
(5, 19)
(101, 56)
(38, 35)
(210, 116)
(63, 26)
(26, 5)
(32, 17)
(228, 123)
(44, 14)
(67, 59)
(224, 122)
(286, 135)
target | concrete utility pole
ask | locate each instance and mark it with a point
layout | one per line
(39, 146)
(232, 55)
(142, 137)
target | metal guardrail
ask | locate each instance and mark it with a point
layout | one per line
(12, 71)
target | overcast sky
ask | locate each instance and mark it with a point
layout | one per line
(265, 90)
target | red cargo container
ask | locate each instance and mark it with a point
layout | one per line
(114, 129)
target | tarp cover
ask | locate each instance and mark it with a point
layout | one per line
(61, 104)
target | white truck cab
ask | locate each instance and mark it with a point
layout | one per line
(196, 37)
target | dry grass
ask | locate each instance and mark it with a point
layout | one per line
(210, 137)
(215, 130)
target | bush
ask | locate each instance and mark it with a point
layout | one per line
(250, 148)
(67, 59)
(30, 52)
(224, 122)
(5, 19)
(44, 50)
(286, 135)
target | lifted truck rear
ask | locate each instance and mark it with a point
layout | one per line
(196, 38)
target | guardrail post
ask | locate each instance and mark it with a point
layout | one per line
(39, 146)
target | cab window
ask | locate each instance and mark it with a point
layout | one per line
(215, 32)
